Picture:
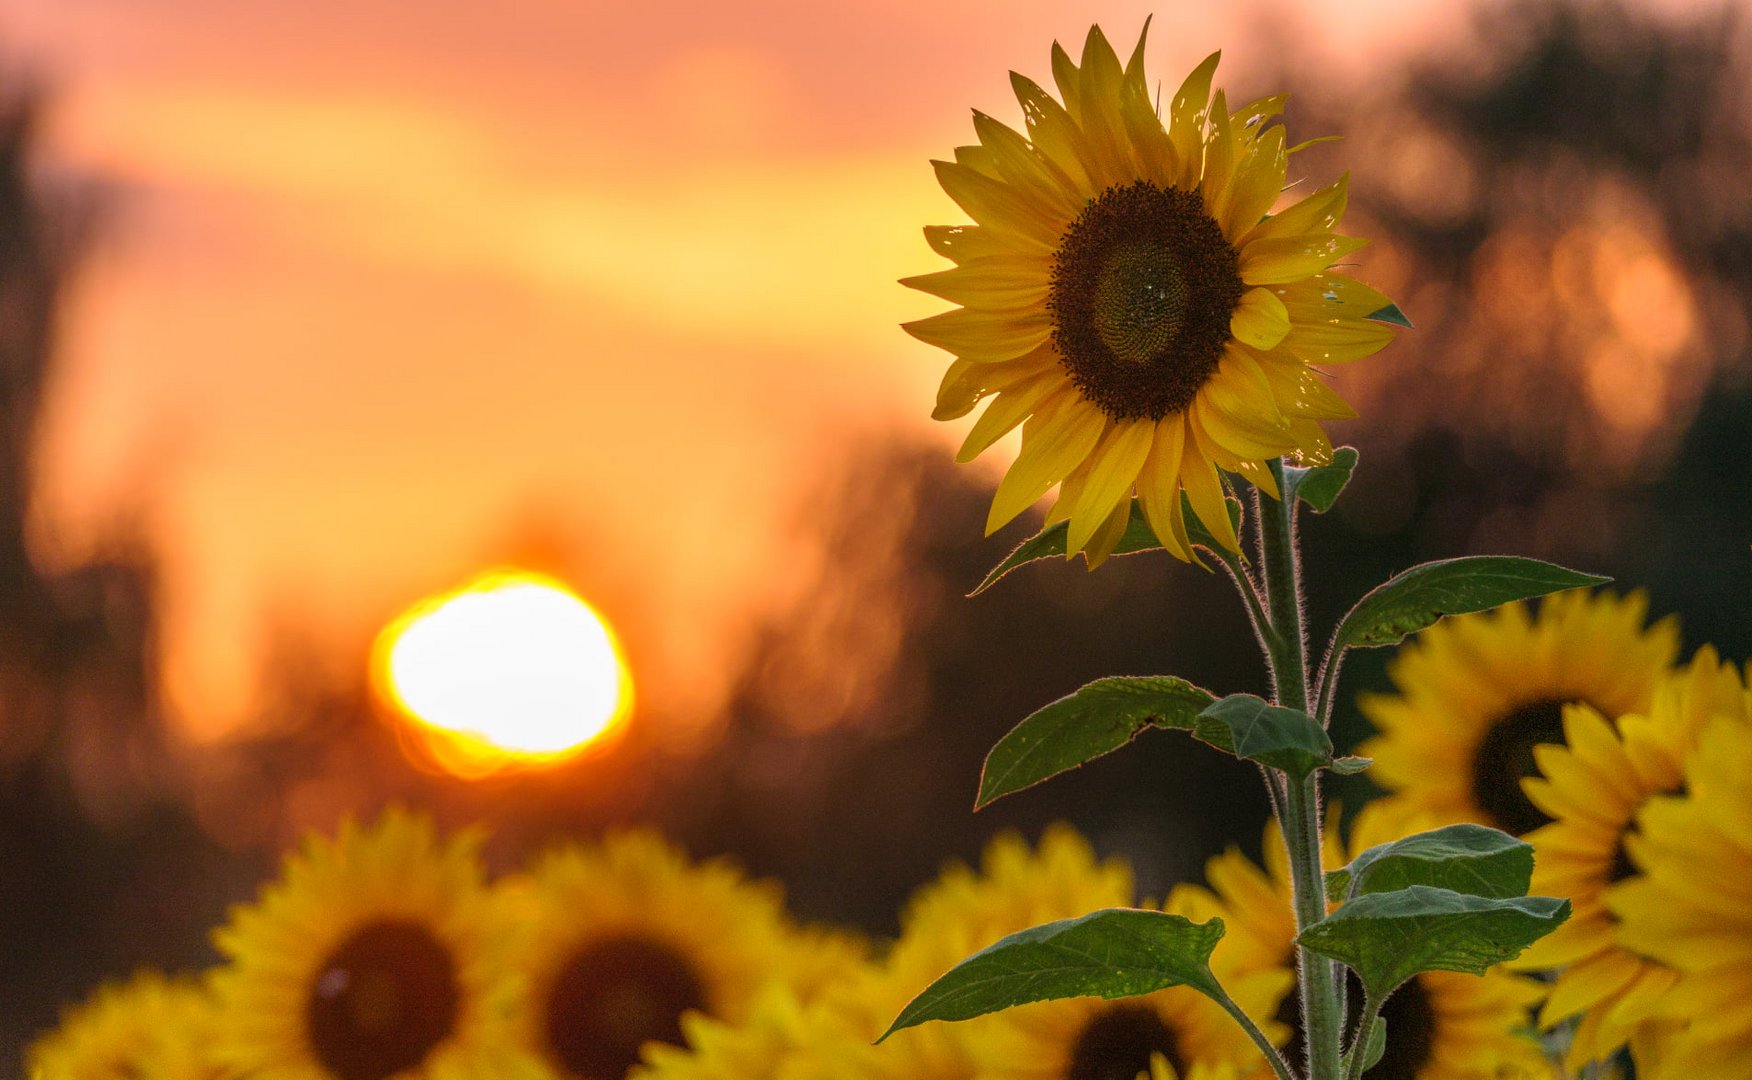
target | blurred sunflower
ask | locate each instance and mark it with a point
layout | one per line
(1077, 1037)
(759, 1047)
(150, 1025)
(1440, 1025)
(374, 956)
(1691, 905)
(1128, 299)
(627, 937)
(1477, 693)
(963, 911)
(1593, 788)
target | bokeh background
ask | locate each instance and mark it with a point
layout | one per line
(308, 311)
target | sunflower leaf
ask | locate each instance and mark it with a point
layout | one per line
(1095, 720)
(1387, 937)
(1250, 728)
(1319, 486)
(1118, 952)
(1470, 859)
(1418, 597)
(1390, 314)
(1138, 536)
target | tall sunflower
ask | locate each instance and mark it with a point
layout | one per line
(627, 937)
(1691, 905)
(150, 1025)
(1477, 693)
(1440, 1025)
(1128, 301)
(374, 956)
(1593, 788)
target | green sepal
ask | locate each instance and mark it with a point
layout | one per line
(1387, 937)
(1319, 485)
(1418, 597)
(1051, 542)
(1470, 859)
(1255, 730)
(1114, 953)
(1350, 765)
(1094, 720)
(1390, 314)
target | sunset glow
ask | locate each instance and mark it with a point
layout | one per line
(511, 670)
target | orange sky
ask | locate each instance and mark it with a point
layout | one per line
(384, 282)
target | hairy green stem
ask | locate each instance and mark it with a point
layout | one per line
(1357, 1060)
(1317, 982)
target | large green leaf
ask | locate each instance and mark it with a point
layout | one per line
(1051, 541)
(1095, 720)
(1469, 859)
(1420, 596)
(1119, 952)
(1388, 937)
(1251, 728)
(1320, 485)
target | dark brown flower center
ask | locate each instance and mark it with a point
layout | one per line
(1143, 285)
(1505, 755)
(382, 1000)
(613, 996)
(1117, 1042)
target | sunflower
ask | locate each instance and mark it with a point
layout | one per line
(1075, 1037)
(151, 1025)
(1691, 905)
(756, 1049)
(1440, 1025)
(1593, 787)
(627, 937)
(374, 956)
(1128, 301)
(963, 911)
(1477, 693)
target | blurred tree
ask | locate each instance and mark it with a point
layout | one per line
(102, 871)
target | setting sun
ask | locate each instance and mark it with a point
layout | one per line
(512, 669)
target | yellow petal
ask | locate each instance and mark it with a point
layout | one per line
(983, 336)
(1159, 487)
(1317, 213)
(1010, 283)
(1273, 262)
(1021, 164)
(1107, 537)
(1004, 413)
(1219, 164)
(1112, 473)
(1187, 117)
(1204, 489)
(1258, 181)
(1336, 341)
(1052, 130)
(1300, 392)
(961, 243)
(998, 205)
(1052, 445)
(1259, 320)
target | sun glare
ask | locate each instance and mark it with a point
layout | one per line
(513, 669)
